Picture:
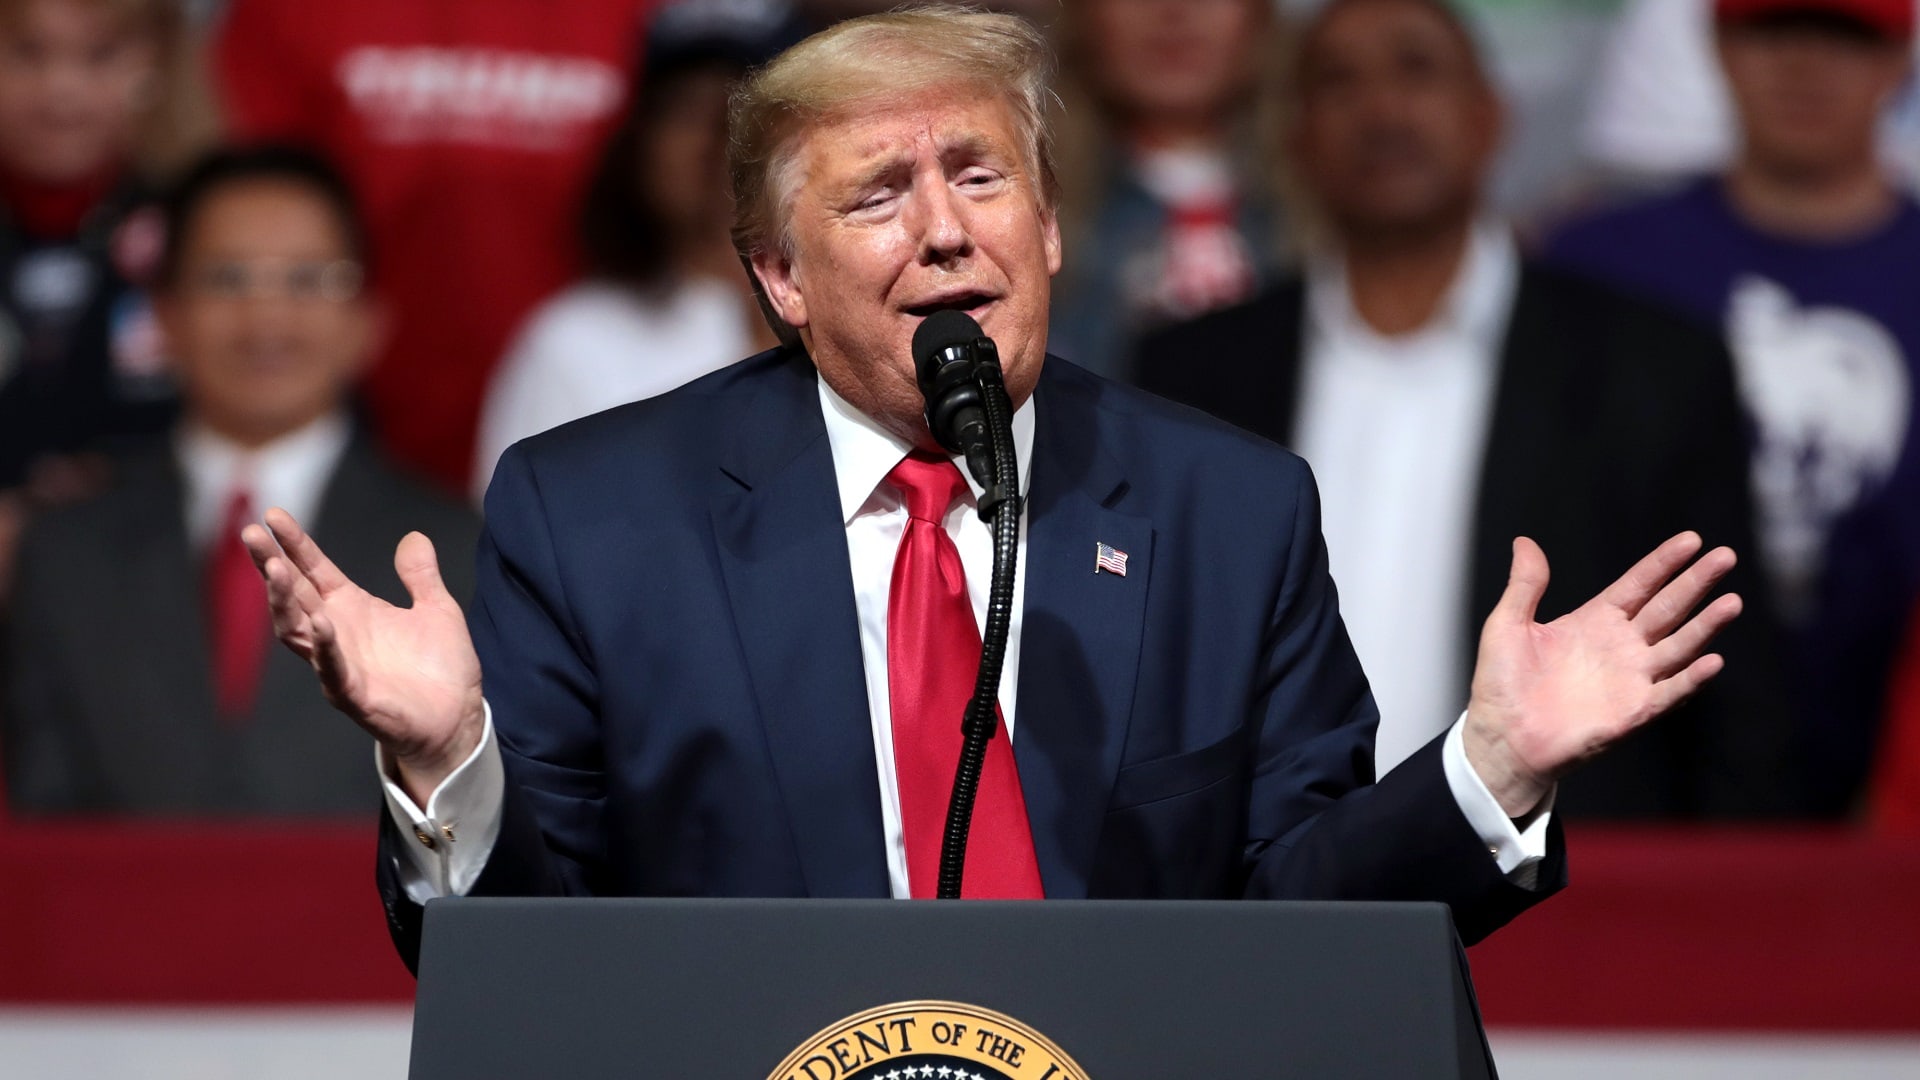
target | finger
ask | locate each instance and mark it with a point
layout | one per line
(330, 661)
(419, 568)
(1686, 644)
(260, 545)
(306, 555)
(291, 600)
(1526, 581)
(288, 588)
(1650, 574)
(1671, 606)
(1671, 692)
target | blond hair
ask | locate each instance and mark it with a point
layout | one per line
(863, 61)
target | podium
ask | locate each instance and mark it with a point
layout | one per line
(953, 990)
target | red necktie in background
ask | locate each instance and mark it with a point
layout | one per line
(238, 624)
(933, 658)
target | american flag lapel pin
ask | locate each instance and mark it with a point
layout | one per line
(1109, 558)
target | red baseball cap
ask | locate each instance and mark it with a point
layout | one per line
(1893, 19)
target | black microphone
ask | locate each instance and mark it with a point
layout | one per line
(949, 350)
(958, 369)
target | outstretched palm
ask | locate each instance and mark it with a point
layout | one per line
(408, 675)
(1549, 696)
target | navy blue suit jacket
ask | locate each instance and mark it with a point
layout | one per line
(665, 616)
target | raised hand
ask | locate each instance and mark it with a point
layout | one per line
(1547, 697)
(409, 676)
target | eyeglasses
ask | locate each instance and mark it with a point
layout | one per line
(301, 282)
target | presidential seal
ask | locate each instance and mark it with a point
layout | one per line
(928, 1040)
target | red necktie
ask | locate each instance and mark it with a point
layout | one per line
(237, 618)
(933, 657)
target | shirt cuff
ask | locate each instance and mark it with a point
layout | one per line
(447, 844)
(1517, 851)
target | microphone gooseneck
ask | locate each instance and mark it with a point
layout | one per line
(969, 413)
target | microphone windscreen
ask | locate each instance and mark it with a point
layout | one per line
(939, 331)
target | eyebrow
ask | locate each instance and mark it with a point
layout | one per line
(879, 170)
(971, 145)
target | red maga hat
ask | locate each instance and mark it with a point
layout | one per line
(1891, 18)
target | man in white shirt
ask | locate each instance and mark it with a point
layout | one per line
(693, 686)
(143, 681)
(1450, 395)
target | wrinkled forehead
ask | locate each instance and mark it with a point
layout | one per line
(954, 125)
(983, 127)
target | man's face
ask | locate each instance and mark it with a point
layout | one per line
(264, 319)
(1396, 126)
(902, 209)
(1809, 92)
(71, 77)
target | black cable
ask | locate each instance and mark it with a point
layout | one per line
(1000, 506)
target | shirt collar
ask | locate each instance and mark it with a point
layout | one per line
(290, 472)
(864, 453)
(1476, 307)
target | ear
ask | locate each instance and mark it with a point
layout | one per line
(780, 281)
(376, 329)
(1050, 222)
(1493, 125)
(1899, 71)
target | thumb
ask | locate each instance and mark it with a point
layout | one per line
(419, 569)
(1526, 582)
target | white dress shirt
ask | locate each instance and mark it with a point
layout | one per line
(290, 472)
(462, 817)
(1395, 428)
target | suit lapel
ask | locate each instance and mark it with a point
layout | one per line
(1279, 387)
(162, 588)
(1534, 366)
(1080, 632)
(783, 553)
(1257, 386)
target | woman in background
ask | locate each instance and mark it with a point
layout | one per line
(100, 100)
(1171, 201)
(666, 299)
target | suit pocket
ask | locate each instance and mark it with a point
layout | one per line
(1181, 774)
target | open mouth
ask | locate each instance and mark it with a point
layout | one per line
(971, 303)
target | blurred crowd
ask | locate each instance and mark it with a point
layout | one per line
(1591, 271)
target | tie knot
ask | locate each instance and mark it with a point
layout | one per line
(239, 509)
(927, 484)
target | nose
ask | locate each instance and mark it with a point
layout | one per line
(942, 223)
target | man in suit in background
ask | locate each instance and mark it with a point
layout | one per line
(1451, 395)
(142, 677)
(728, 633)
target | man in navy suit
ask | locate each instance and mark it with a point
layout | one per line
(688, 610)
